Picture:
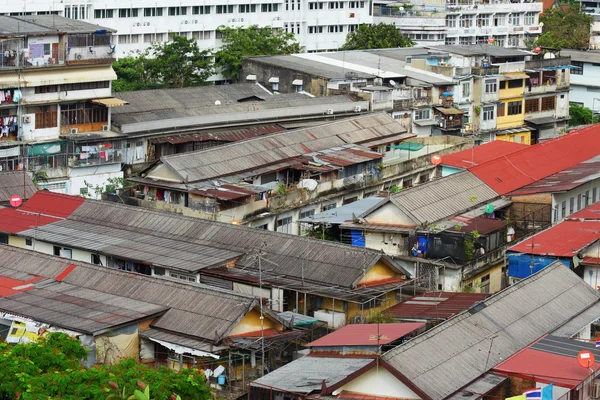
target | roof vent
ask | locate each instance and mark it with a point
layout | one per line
(477, 307)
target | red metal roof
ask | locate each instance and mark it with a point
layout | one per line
(590, 213)
(435, 305)
(562, 240)
(513, 171)
(15, 221)
(366, 334)
(48, 203)
(481, 154)
(9, 286)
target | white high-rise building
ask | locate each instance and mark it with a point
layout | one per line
(318, 25)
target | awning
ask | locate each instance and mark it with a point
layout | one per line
(514, 75)
(297, 82)
(56, 76)
(45, 149)
(182, 349)
(410, 146)
(251, 78)
(183, 345)
(274, 79)
(111, 102)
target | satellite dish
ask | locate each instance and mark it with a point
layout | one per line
(219, 370)
(309, 184)
(585, 358)
(392, 82)
(15, 201)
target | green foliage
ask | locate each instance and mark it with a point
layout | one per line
(396, 189)
(319, 232)
(565, 29)
(112, 185)
(50, 369)
(38, 177)
(581, 115)
(378, 36)
(469, 244)
(381, 317)
(251, 41)
(281, 189)
(174, 64)
(477, 110)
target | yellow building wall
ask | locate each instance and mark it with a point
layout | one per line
(16, 241)
(511, 121)
(354, 309)
(510, 93)
(378, 272)
(495, 273)
(521, 137)
(251, 323)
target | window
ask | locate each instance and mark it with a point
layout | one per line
(466, 21)
(491, 86)
(103, 13)
(315, 29)
(307, 213)
(224, 9)
(465, 40)
(28, 242)
(336, 28)
(563, 209)
(451, 21)
(328, 207)
(424, 178)
(421, 114)
(96, 259)
(351, 28)
(407, 183)
(586, 199)
(515, 83)
(284, 225)
(62, 252)
(153, 12)
(500, 110)
(356, 4)
(532, 105)
(299, 88)
(46, 118)
(513, 40)
(594, 194)
(247, 8)
(578, 202)
(571, 205)
(466, 89)
(530, 18)
(336, 4)
(488, 113)
(177, 11)
(269, 7)
(500, 20)
(548, 103)
(275, 86)
(183, 277)
(315, 6)
(483, 20)
(46, 89)
(515, 107)
(515, 19)
(579, 69)
(485, 284)
(204, 10)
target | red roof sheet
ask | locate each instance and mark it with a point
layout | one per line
(546, 368)
(9, 286)
(435, 305)
(366, 334)
(590, 213)
(481, 154)
(562, 240)
(513, 171)
(48, 203)
(15, 221)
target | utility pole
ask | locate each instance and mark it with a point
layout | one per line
(262, 317)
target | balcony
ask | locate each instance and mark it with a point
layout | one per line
(405, 104)
(408, 11)
(484, 71)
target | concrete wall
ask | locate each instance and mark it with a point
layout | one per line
(558, 199)
(379, 382)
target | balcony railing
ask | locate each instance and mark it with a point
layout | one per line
(404, 104)
(483, 71)
(409, 11)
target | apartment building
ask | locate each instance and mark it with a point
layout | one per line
(318, 25)
(434, 22)
(55, 101)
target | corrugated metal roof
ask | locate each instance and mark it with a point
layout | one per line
(589, 213)
(345, 213)
(15, 183)
(167, 239)
(477, 388)
(579, 322)
(443, 198)
(12, 26)
(513, 171)
(458, 351)
(307, 374)
(232, 135)
(62, 24)
(565, 239)
(180, 340)
(251, 154)
(435, 305)
(481, 154)
(199, 311)
(79, 309)
(366, 334)
(59, 76)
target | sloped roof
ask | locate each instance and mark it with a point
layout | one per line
(366, 334)
(460, 350)
(63, 24)
(11, 184)
(244, 156)
(442, 198)
(565, 239)
(513, 171)
(168, 239)
(435, 305)
(195, 310)
(591, 212)
(480, 154)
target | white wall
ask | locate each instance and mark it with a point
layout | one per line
(558, 198)
(93, 175)
(586, 87)
(378, 381)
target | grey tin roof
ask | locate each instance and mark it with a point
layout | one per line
(579, 322)
(12, 26)
(79, 309)
(345, 213)
(588, 56)
(11, 184)
(62, 24)
(483, 49)
(251, 154)
(199, 311)
(458, 351)
(439, 199)
(307, 374)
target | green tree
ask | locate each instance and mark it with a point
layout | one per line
(51, 369)
(565, 29)
(381, 317)
(581, 115)
(174, 64)
(378, 36)
(251, 41)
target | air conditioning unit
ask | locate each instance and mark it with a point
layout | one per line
(596, 391)
(105, 128)
(357, 109)
(26, 119)
(329, 111)
(74, 131)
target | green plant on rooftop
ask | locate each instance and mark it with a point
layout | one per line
(377, 36)
(51, 369)
(565, 28)
(251, 41)
(381, 317)
(581, 115)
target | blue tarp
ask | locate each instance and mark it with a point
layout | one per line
(519, 265)
(357, 238)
